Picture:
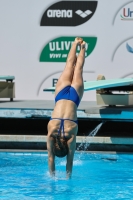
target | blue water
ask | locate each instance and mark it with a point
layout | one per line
(95, 177)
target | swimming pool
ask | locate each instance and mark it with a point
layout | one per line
(95, 176)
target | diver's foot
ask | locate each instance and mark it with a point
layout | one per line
(78, 40)
(83, 45)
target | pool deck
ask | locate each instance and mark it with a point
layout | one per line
(87, 110)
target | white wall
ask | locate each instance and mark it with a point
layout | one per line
(22, 40)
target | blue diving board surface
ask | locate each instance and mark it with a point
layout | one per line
(7, 78)
(100, 84)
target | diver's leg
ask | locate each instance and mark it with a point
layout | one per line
(67, 74)
(77, 81)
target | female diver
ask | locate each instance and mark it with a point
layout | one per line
(63, 125)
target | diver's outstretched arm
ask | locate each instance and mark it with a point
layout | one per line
(70, 156)
(51, 156)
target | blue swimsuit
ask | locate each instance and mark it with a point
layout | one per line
(68, 93)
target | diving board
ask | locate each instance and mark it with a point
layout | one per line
(7, 78)
(101, 84)
(7, 87)
(111, 83)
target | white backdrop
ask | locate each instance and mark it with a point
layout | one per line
(22, 40)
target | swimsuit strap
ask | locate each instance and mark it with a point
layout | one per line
(76, 121)
(61, 127)
(62, 124)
